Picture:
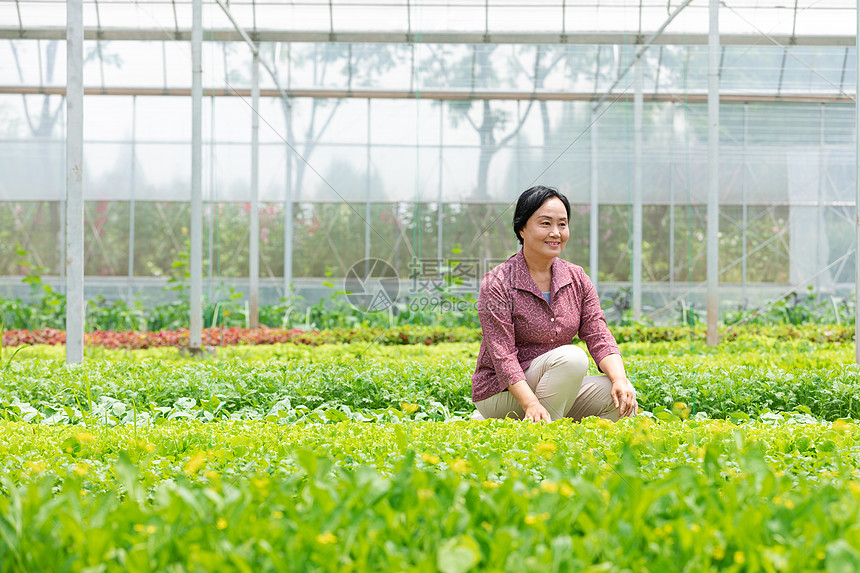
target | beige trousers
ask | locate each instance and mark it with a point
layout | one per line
(558, 380)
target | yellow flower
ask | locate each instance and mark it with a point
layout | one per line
(719, 552)
(549, 486)
(430, 458)
(681, 410)
(221, 524)
(138, 527)
(789, 504)
(491, 484)
(150, 529)
(695, 528)
(460, 466)
(486, 526)
(841, 426)
(326, 538)
(37, 467)
(195, 463)
(409, 408)
(546, 449)
(425, 494)
(739, 557)
(82, 469)
(84, 437)
(566, 490)
(277, 514)
(531, 518)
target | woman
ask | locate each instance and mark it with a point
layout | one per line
(530, 307)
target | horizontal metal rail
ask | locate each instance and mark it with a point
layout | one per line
(581, 38)
(440, 95)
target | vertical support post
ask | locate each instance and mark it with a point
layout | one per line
(637, 193)
(196, 262)
(61, 212)
(288, 216)
(212, 218)
(440, 210)
(819, 231)
(132, 200)
(713, 171)
(593, 237)
(519, 148)
(74, 182)
(744, 207)
(367, 197)
(254, 266)
(857, 199)
(672, 205)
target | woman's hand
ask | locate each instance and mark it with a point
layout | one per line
(537, 413)
(624, 396)
(531, 405)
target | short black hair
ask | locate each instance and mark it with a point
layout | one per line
(530, 201)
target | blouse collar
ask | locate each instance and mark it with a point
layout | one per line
(523, 280)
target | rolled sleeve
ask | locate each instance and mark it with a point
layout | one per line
(494, 312)
(592, 326)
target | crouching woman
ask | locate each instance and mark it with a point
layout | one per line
(531, 307)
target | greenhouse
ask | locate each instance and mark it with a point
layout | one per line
(262, 308)
(327, 133)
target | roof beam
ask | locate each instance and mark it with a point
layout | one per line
(602, 38)
(434, 94)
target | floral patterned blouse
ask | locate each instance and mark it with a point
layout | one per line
(518, 324)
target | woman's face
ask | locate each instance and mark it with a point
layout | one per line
(546, 232)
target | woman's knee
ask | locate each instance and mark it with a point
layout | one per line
(572, 358)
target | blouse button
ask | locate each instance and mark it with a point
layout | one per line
(552, 319)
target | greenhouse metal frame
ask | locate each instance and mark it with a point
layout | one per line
(708, 31)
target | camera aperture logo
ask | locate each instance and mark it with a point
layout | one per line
(371, 285)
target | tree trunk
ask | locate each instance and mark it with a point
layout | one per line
(547, 134)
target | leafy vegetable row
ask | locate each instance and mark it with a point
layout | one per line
(439, 386)
(497, 496)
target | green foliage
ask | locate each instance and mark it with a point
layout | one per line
(116, 315)
(756, 375)
(48, 308)
(496, 496)
(797, 309)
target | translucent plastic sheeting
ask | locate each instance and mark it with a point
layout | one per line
(672, 69)
(33, 170)
(329, 156)
(432, 16)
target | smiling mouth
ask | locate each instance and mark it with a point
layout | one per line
(553, 243)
